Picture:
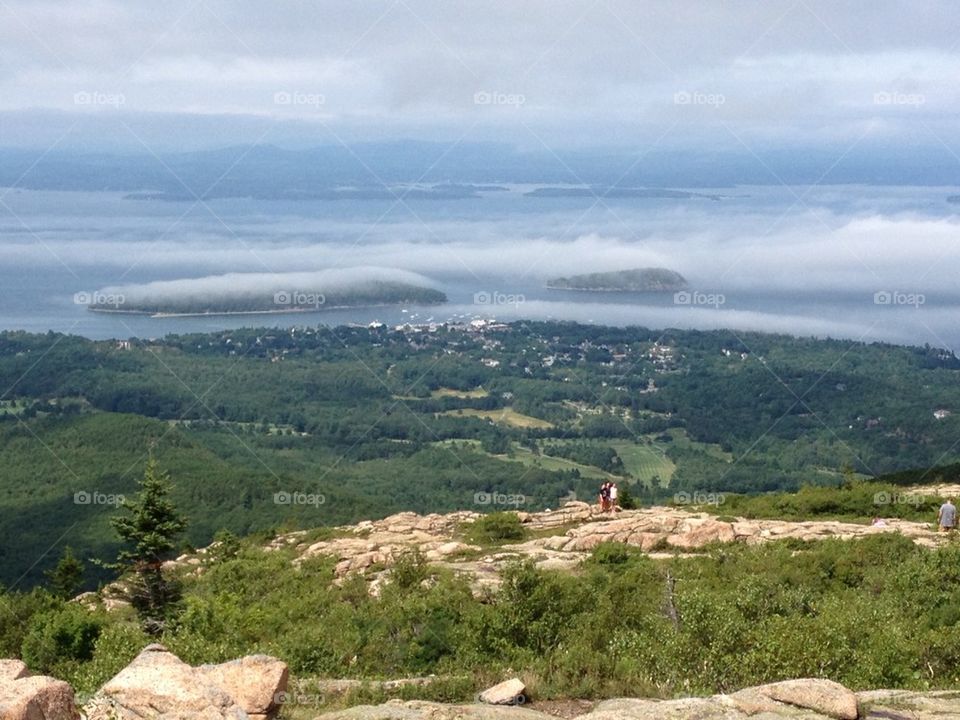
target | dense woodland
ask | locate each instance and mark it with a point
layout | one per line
(370, 421)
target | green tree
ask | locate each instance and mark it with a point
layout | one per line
(150, 524)
(626, 499)
(67, 577)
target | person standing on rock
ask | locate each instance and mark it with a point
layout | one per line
(613, 497)
(604, 497)
(947, 517)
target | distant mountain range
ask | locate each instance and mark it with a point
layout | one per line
(437, 170)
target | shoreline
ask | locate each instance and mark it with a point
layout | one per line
(615, 290)
(225, 313)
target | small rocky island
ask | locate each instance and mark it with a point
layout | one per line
(636, 280)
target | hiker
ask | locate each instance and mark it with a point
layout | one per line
(947, 516)
(613, 497)
(604, 497)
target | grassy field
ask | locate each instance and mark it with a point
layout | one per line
(465, 394)
(527, 457)
(682, 440)
(523, 455)
(644, 462)
(507, 416)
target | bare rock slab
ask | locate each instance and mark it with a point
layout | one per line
(823, 696)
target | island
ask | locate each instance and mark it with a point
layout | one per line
(635, 280)
(372, 293)
(618, 193)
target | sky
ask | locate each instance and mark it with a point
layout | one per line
(538, 73)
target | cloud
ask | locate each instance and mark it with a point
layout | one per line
(788, 71)
(736, 245)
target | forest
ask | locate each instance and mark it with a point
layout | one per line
(375, 420)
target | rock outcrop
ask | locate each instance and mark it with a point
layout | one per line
(823, 696)
(564, 537)
(160, 686)
(372, 546)
(255, 682)
(33, 697)
(804, 699)
(157, 685)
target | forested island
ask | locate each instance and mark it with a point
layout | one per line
(636, 280)
(618, 192)
(369, 293)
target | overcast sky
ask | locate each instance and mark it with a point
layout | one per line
(580, 72)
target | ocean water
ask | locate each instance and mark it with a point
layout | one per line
(843, 261)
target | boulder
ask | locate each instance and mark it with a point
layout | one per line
(823, 696)
(12, 670)
(509, 692)
(160, 686)
(256, 683)
(33, 697)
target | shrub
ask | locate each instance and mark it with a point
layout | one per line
(60, 636)
(497, 527)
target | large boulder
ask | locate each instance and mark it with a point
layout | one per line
(256, 682)
(509, 692)
(27, 697)
(160, 686)
(823, 696)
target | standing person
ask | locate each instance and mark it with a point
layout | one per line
(613, 497)
(947, 516)
(604, 497)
